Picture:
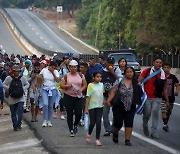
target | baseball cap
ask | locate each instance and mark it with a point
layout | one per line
(110, 60)
(73, 63)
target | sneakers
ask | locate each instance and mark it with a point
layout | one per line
(154, 136)
(98, 143)
(54, 115)
(49, 124)
(166, 128)
(146, 131)
(62, 117)
(107, 133)
(71, 133)
(88, 139)
(75, 129)
(44, 123)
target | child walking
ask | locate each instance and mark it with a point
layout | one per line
(173, 90)
(94, 105)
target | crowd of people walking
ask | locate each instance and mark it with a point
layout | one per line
(82, 88)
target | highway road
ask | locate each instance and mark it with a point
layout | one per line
(8, 41)
(43, 34)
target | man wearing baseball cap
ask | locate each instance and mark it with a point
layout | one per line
(109, 75)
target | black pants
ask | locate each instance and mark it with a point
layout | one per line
(120, 115)
(61, 102)
(95, 118)
(73, 106)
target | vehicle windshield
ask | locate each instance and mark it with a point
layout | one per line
(128, 57)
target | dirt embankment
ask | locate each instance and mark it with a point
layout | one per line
(60, 20)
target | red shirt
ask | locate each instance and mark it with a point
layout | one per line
(149, 85)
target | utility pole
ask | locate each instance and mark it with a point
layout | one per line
(119, 39)
(97, 30)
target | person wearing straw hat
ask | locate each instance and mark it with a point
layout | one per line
(16, 95)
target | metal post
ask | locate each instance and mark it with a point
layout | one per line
(97, 30)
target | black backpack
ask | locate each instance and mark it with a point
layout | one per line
(108, 80)
(16, 88)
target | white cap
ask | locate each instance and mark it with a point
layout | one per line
(73, 63)
(17, 61)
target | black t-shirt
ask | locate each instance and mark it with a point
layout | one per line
(171, 80)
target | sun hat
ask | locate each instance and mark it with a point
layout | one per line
(16, 68)
(73, 63)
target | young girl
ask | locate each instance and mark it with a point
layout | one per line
(94, 104)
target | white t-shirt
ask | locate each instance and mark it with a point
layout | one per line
(48, 77)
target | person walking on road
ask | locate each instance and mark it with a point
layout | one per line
(16, 86)
(73, 84)
(94, 105)
(109, 76)
(154, 89)
(49, 92)
(124, 109)
(173, 90)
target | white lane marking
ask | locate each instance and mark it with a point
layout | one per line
(29, 25)
(45, 42)
(19, 145)
(41, 38)
(55, 34)
(177, 104)
(50, 46)
(26, 21)
(33, 29)
(37, 33)
(24, 18)
(155, 143)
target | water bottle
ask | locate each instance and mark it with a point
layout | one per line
(76, 90)
(86, 121)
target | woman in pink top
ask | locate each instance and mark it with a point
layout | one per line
(73, 84)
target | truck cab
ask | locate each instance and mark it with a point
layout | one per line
(128, 54)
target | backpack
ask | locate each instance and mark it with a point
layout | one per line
(16, 88)
(108, 80)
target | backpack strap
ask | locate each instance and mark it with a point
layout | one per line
(152, 75)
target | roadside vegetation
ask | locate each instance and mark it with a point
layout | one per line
(150, 26)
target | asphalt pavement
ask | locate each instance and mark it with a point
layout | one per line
(57, 139)
(17, 142)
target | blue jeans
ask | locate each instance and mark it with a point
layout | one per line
(152, 106)
(48, 102)
(106, 121)
(17, 113)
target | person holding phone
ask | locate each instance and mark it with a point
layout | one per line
(49, 92)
